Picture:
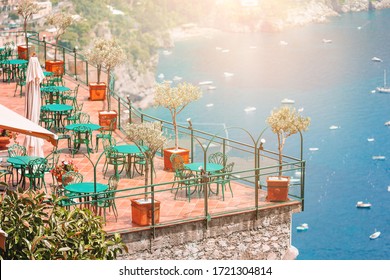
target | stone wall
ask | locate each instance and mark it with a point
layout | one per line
(233, 237)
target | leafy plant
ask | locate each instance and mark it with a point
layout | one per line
(26, 9)
(284, 122)
(61, 21)
(148, 135)
(175, 99)
(96, 55)
(38, 230)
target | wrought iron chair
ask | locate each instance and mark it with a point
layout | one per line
(71, 96)
(46, 119)
(107, 200)
(82, 135)
(35, 172)
(114, 158)
(52, 161)
(187, 180)
(218, 158)
(105, 133)
(177, 162)
(13, 151)
(84, 118)
(74, 116)
(68, 199)
(21, 78)
(224, 179)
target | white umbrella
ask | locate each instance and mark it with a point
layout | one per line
(32, 109)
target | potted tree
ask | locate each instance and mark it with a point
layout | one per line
(26, 9)
(146, 135)
(96, 55)
(175, 99)
(284, 122)
(112, 56)
(61, 21)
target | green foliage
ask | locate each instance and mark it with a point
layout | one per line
(38, 230)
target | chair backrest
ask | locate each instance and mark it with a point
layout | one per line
(37, 167)
(108, 142)
(218, 158)
(84, 117)
(228, 168)
(113, 182)
(17, 150)
(52, 160)
(72, 177)
(177, 162)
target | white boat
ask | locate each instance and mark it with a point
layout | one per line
(300, 109)
(250, 109)
(334, 127)
(225, 51)
(228, 74)
(161, 76)
(388, 188)
(376, 59)
(303, 227)
(177, 78)
(205, 83)
(166, 52)
(385, 88)
(211, 87)
(326, 41)
(361, 204)
(287, 101)
(370, 139)
(283, 43)
(378, 157)
(375, 235)
(210, 105)
(313, 149)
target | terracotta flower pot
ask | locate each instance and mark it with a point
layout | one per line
(105, 118)
(184, 153)
(141, 212)
(56, 67)
(277, 188)
(97, 91)
(4, 141)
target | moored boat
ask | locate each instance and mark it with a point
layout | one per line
(375, 235)
(361, 204)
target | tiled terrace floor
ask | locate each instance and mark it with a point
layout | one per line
(172, 210)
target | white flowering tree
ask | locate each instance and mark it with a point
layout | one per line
(96, 55)
(147, 135)
(175, 99)
(284, 122)
(26, 9)
(112, 56)
(61, 21)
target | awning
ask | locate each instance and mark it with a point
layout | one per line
(12, 121)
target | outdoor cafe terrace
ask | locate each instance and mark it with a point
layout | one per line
(174, 207)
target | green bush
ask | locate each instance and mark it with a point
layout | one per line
(38, 230)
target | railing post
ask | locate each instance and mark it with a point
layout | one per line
(257, 178)
(86, 71)
(27, 48)
(63, 59)
(44, 48)
(119, 113)
(75, 61)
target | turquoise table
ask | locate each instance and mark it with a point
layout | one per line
(86, 188)
(210, 167)
(47, 73)
(20, 162)
(54, 91)
(58, 110)
(14, 63)
(129, 150)
(91, 126)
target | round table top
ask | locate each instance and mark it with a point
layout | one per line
(47, 73)
(54, 88)
(91, 126)
(210, 167)
(86, 187)
(14, 61)
(21, 160)
(128, 149)
(57, 107)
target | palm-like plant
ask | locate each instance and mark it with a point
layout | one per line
(26, 9)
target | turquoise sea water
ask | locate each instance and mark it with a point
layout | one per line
(332, 83)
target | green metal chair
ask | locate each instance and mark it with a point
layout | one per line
(84, 117)
(186, 180)
(224, 180)
(105, 133)
(74, 116)
(46, 119)
(68, 197)
(13, 151)
(107, 200)
(218, 158)
(82, 135)
(35, 172)
(21, 78)
(115, 159)
(177, 162)
(71, 96)
(52, 161)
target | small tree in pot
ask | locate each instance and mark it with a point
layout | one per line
(26, 9)
(61, 21)
(175, 99)
(112, 56)
(284, 122)
(96, 56)
(149, 139)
